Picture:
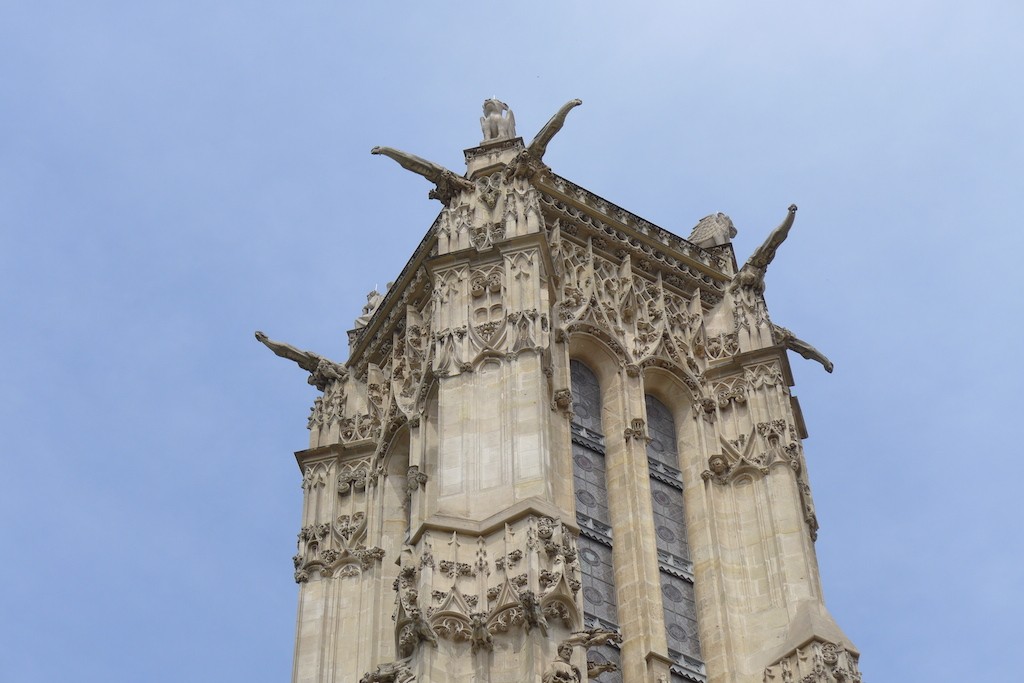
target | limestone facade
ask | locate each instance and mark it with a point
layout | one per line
(563, 444)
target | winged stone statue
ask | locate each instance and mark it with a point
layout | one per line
(447, 183)
(498, 121)
(712, 231)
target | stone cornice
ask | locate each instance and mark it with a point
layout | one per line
(524, 508)
(343, 451)
(492, 146)
(633, 226)
(495, 252)
(735, 364)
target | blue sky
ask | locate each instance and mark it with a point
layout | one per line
(174, 176)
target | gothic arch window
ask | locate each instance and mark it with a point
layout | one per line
(676, 569)
(591, 491)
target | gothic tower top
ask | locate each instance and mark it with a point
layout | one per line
(564, 441)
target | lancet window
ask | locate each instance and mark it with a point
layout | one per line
(591, 490)
(673, 550)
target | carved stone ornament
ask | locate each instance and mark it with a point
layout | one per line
(530, 161)
(414, 631)
(595, 669)
(717, 347)
(561, 669)
(322, 371)
(751, 275)
(594, 637)
(498, 121)
(532, 612)
(562, 401)
(819, 661)
(414, 480)
(353, 478)
(636, 430)
(390, 672)
(447, 184)
(786, 338)
(628, 306)
(373, 301)
(712, 231)
(480, 637)
(509, 560)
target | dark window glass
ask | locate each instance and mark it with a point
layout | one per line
(670, 536)
(595, 543)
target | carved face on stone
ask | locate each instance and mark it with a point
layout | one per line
(717, 464)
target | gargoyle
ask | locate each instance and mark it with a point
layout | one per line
(480, 637)
(751, 275)
(595, 669)
(793, 343)
(390, 672)
(321, 371)
(594, 637)
(532, 613)
(447, 183)
(531, 159)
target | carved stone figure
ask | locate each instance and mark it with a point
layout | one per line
(423, 628)
(718, 464)
(595, 669)
(532, 612)
(539, 146)
(417, 629)
(322, 371)
(531, 160)
(389, 672)
(447, 183)
(561, 669)
(793, 343)
(594, 637)
(498, 121)
(480, 637)
(751, 275)
(373, 299)
(713, 231)
(414, 479)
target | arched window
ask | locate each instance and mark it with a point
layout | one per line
(591, 489)
(673, 549)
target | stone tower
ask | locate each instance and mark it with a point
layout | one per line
(563, 445)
